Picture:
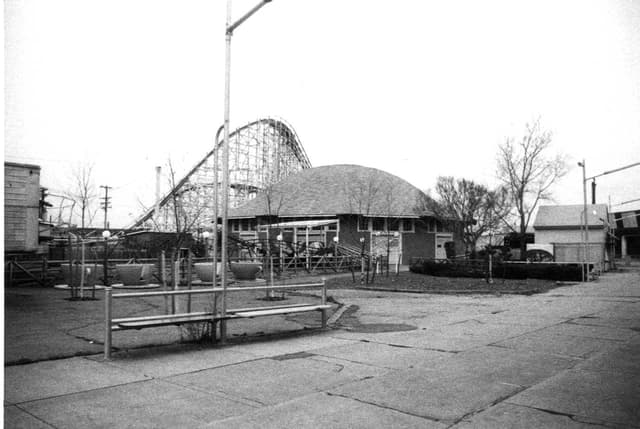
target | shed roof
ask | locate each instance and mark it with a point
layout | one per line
(336, 189)
(569, 216)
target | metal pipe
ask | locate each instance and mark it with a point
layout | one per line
(585, 222)
(613, 171)
(156, 214)
(324, 301)
(107, 323)
(246, 16)
(230, 27)
(212, 290)
(215, 205)
(225, 173)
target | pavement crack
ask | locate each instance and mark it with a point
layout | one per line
(492, 404)
(574, 417)
(35, 417)
(433, 419)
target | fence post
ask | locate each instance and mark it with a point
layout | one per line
(189, 275)
(107, 323)
(163, 280)
(324, 301)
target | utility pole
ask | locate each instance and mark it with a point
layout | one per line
(105, 234)
(106, 204)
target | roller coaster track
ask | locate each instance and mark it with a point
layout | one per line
(261, 152)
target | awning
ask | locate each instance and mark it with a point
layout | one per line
(302, 223)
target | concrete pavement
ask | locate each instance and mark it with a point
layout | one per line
(569, 358)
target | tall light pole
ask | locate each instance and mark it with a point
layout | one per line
(215, 205)
(230, 27)
(585, 243)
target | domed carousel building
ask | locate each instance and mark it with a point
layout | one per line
(357, 207)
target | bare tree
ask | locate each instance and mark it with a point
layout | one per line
(528, 173)
(186, 206)
(468, 208)
(83, 193)
(374, 195)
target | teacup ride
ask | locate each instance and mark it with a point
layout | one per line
(135, 276)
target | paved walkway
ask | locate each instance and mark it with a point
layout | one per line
(569, 358)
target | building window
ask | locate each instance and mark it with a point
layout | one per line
(394, 224)
(407, 225)
(378, 224)
(363, 223)
(431, 225)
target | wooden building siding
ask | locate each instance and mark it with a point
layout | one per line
(21, 207)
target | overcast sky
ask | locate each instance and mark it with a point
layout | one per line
(417, 88)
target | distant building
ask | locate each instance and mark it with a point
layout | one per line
(562, 227)
(22, 208)
(627, 232)
(349, 202)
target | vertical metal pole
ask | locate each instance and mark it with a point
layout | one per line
(175, 268)
(586, 222)
(156, 212)
(215, 207)
(225, 172)
(189, 275)
(107, 323)
(324, 301)
(106, 261)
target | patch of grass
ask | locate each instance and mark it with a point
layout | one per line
(413, 282)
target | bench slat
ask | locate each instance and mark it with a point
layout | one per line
(271, 312)
(274, 307)
(165, 321)
(159, 317)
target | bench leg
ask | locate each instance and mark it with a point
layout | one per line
(214, 331)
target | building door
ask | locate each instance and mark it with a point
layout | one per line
(441, 239)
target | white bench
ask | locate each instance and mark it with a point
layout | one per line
(215, 316)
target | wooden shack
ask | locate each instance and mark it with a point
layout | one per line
(21, 207)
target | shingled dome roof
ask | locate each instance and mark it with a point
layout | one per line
(336, 189)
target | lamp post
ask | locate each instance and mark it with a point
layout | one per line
(280, 237)
(230, 27)
(585, 224)
(214, 252)
(106, 234)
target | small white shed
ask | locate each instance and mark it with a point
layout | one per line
(563, 227)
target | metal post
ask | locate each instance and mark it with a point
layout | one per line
(156, 211)
(107, 323)
(189, 276)
(105, 262)
(229, 28)
(324, 301)
(225, 172)
(215, 206)
(163, 280)
(362, 240)
(586, 222)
